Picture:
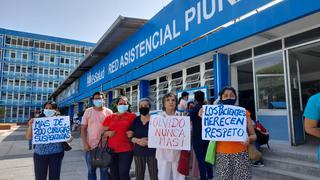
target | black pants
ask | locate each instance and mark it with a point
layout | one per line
(121, 164)
(43, 162)
(141, 161)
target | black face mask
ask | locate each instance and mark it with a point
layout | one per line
(229, 101)
(144, 110)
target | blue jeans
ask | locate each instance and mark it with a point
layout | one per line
(92, 170)
(200, 149)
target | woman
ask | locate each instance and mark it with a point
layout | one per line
(182, 105)
(232, 158)
(46, 156)
(142, 154)
(117, 129)
(168, 158)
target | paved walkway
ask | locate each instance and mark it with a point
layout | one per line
(16, 160)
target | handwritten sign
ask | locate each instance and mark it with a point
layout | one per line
(170, 132)
(51, 129)
(224, 123)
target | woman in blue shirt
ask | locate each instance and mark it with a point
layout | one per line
(47, 156)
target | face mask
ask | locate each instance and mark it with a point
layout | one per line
(98, 102)
(229, 101)
(122, 108)
(144, 110)
(48, 112)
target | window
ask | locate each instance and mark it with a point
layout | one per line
(45, 71)
(66, 73)
(47, 45)
(12, 55)
(56, 85)
(34, 83)
(22, 83)
(51, 72)
(51, 59)
(56, 72)
(77, 62)
(63, 48)
(39, 97)
(8, 39)
(25, 56)
(40, 70)
(42, 44)
(16, 82)
(19, 42)
(22, 97)
(18, 69)
(57, 47)
(29, 70)
(41, 57)
(45, 84)
(68, 48)
(61, 72)
(10, 82)
(36, 44)
(50, 84)
(73, 49)
(23, 69)
(62, 60)
(53, 46)
(35, 70)
(5, 81)
(11, 68)
(5, 67)
(77, 50)
(25, 42)
(270, 81)
(40, 84)
(67, 61)
(14, 41)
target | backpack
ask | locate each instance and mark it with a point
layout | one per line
(262, 134)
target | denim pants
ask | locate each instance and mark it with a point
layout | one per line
(52, 162)
(92, 170)
(200, 149)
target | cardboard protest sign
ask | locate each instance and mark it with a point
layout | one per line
(51, 129)
(170, 132)
(224, 123)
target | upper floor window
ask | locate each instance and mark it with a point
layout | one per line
(25, 56)
(13, 55)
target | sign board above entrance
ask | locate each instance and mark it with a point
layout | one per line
(177, 24)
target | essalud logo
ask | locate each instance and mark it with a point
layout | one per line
(95, 77)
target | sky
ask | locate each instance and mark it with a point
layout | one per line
(84, 20)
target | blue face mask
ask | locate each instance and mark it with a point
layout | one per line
(49, 112)
(229, 101)
(122, 108)
(97, 102)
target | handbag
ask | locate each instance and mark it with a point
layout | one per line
(101, 155)
(254, 154)
(211, 152)
(66, 146)
(183, 163)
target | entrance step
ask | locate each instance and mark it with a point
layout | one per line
(283, 161)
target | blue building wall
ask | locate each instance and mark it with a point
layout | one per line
(30, 73)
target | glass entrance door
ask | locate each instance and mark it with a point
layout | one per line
(304, 81)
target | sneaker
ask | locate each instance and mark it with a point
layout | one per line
(258, 164)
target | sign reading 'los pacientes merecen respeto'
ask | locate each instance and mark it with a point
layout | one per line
(224, 123)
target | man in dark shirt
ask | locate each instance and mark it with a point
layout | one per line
(200, 146)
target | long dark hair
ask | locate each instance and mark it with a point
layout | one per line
(226, 88)
(52, 103)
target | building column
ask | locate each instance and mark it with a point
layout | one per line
(71, 111)
(80, 107)
(143, 88)
(220, 72)
(110, 99)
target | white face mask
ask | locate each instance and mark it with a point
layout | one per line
(49, 112)
(98, 102)
(122, 108)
